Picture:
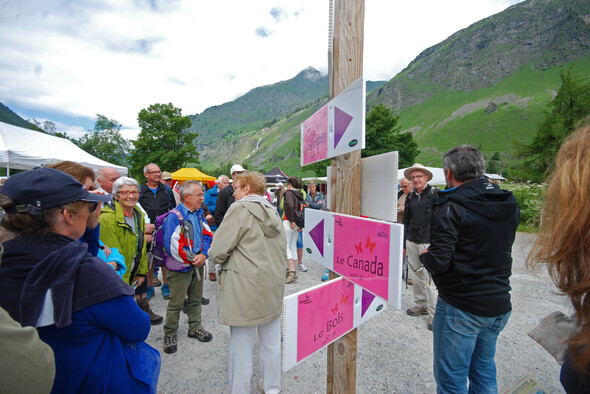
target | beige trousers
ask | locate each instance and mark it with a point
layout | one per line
(425, 293)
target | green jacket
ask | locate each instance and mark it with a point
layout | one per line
(115, 233)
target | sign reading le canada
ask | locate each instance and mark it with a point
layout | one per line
(365, 251)
(337, 128)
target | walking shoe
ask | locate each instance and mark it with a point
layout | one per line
(150, 292)
(170, 343)
(291, 277)
(201, 334)
(145, 306)
(417, 311)
(326, 276)
(166, 291)
(430, 323)
(156, 282)
(185, 305)
(302, 267)
(204, 301)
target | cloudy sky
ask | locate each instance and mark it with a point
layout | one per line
(67, 60)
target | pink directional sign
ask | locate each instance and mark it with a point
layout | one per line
(367, 252)
(361, 253)
(314, 136)
(316, 317)
(324, 314)
(337, 128)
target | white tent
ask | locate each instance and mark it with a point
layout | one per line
(24, 149)
(438, 175)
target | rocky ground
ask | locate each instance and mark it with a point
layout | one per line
(394, 350)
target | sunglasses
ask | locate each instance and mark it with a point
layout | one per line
(92, 206)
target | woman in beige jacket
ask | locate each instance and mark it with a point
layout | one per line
(251, 248)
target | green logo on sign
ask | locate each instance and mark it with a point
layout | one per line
(308, 250)
(353, 143)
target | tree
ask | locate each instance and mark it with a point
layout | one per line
(383, 135)
(163, 139)
(106, 141)
(568, 108)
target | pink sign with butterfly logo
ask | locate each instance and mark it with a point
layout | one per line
(361, 253)
(324, 314)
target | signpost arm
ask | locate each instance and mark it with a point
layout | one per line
(346, 67)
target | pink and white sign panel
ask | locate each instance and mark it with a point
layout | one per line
(316, 317)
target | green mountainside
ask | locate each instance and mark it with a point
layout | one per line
(486, 85)
(490, 83)
(8, 116)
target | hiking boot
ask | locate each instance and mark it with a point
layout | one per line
(201, 334)
(145, 306)
(150, 292)
(166, 291)
(291, 277)
(170, 344)
(204, 301)
(156, 282)
(430, 323)
(212, 276)
(417, 311)
(302, 267)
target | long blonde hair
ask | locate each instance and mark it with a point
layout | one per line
(564, 240)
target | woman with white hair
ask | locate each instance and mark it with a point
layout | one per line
(123, 227)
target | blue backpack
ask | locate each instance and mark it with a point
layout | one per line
(157, 254)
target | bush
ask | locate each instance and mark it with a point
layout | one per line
(530, 201)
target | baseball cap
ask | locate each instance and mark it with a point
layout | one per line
(166, 175)
(236, 168)
(42, 188)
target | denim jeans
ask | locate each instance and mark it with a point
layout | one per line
(464, 347)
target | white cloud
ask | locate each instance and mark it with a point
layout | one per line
(80, 58)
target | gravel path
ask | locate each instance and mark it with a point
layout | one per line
(394, 349)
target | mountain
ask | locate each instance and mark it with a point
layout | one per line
(8, 116)
(486, 85)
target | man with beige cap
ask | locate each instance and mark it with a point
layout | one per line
(418, 209)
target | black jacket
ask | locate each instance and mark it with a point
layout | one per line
(417, 212)
(224, 200)
(156, 204)
(470, 253)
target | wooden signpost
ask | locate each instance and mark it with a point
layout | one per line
(345, 66)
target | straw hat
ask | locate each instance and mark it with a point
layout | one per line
(417, 167)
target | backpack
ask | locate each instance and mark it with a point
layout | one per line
(157, 254)
(300, 213)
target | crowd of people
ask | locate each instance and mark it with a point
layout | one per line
(78, 268)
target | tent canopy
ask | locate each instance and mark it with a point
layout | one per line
(24, 149)
(438, 175)
(185, 174)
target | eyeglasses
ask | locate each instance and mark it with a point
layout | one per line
(417, 177)
(127, 193)
(197, 195)
(154, 172)
(405, 187)
(92, 206)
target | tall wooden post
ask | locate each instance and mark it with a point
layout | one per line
(346, 66)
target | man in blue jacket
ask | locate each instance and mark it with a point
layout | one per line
(472, 231)
(188, 245)
(210, 201)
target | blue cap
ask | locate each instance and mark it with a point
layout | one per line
(42, 188)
